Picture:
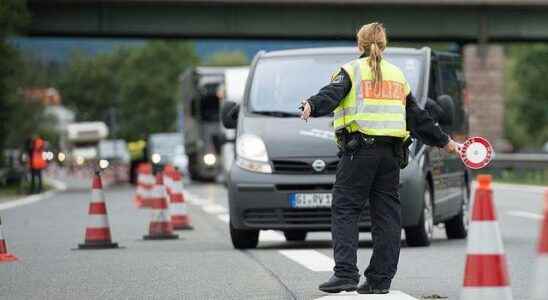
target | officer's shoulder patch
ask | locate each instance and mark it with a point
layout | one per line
(338, 77)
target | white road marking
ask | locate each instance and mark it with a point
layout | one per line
(224, 217)
(311, 259)
(214, 209)
(26, 200)
(524, 214)
(393, 295)
(271, 236)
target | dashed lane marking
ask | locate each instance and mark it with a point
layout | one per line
(524, 214)
(310, 259)
(393, 295)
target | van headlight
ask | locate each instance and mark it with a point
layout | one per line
(251, 154)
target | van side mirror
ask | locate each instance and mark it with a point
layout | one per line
(448, 107)
(229, 114)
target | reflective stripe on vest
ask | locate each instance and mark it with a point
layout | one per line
(373, 116)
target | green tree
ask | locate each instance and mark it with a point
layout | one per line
(90, 85)
(527, 96)
(148, 91)
(232, 58)
(13, 17)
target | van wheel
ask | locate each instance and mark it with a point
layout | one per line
(244, 239)
(457, 226)
(295, 235)
(421, 234)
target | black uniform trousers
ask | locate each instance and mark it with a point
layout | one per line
(370, 174)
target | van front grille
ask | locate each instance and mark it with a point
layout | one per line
(302, 167)
(295, 216)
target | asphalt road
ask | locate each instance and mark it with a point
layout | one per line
(203, 265)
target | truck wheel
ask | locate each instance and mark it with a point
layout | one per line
(457, 226)
(244, 239)
(295, 235)
(421, 234)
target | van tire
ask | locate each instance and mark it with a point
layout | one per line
(244, 239)
(295, 235)
(456, 227)
(418, 236)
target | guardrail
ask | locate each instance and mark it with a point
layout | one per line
(537, 161)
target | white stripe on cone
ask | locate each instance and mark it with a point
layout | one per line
(147, 179)
(97, 196)
(97, 221)
(477, 241)
(540, 290)
(160, 216)
(1, 235)
(177, 188)
(485, 293)
(178, 208)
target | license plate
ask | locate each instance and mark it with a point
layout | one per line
(310, 200)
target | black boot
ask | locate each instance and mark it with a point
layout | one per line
(365, 288)
(337, 285)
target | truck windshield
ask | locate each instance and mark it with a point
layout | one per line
(281, 83)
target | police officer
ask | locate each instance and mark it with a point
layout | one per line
(374, 114)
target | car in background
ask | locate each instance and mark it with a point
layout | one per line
(114, 154)
(167, 148)
(285, 168)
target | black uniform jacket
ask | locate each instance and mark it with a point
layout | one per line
(419, 122)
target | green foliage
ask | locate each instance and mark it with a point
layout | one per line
(148, 92)
(139, 83)
(234, 58)
(527, 96)
(89, 85)
(13, 16)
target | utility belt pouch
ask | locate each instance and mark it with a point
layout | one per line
(402, 152)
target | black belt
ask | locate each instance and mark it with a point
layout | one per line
(374, 139)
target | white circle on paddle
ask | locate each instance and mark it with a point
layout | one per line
(476, 152)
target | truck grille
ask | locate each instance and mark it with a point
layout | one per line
(294, 216)
(302, 167)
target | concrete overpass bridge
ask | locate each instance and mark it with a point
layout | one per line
(474, 24)
(408, 20)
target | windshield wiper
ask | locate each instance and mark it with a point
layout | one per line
(279, 114)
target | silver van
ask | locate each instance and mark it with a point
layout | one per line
(285, 168)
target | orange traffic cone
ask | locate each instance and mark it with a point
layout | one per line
(98, 229)
(4, 255)
(540, 290)
(179, 215)
(145, 183)
(485, 275)
(169, 170)
(160, 227)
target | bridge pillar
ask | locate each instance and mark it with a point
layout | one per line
(484, 74)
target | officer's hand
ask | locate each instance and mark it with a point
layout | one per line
(452, 147)
(305, 114)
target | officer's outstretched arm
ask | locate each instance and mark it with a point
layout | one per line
(329, 97)
(423, 126)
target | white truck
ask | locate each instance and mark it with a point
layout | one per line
(202, 92)
(82, 143)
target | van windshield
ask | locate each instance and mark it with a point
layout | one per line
(281, 83)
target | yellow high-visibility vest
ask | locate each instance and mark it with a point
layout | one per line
(374, 109)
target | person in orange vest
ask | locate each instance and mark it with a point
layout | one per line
(37, 164)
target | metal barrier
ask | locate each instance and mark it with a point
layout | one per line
(536, 161)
